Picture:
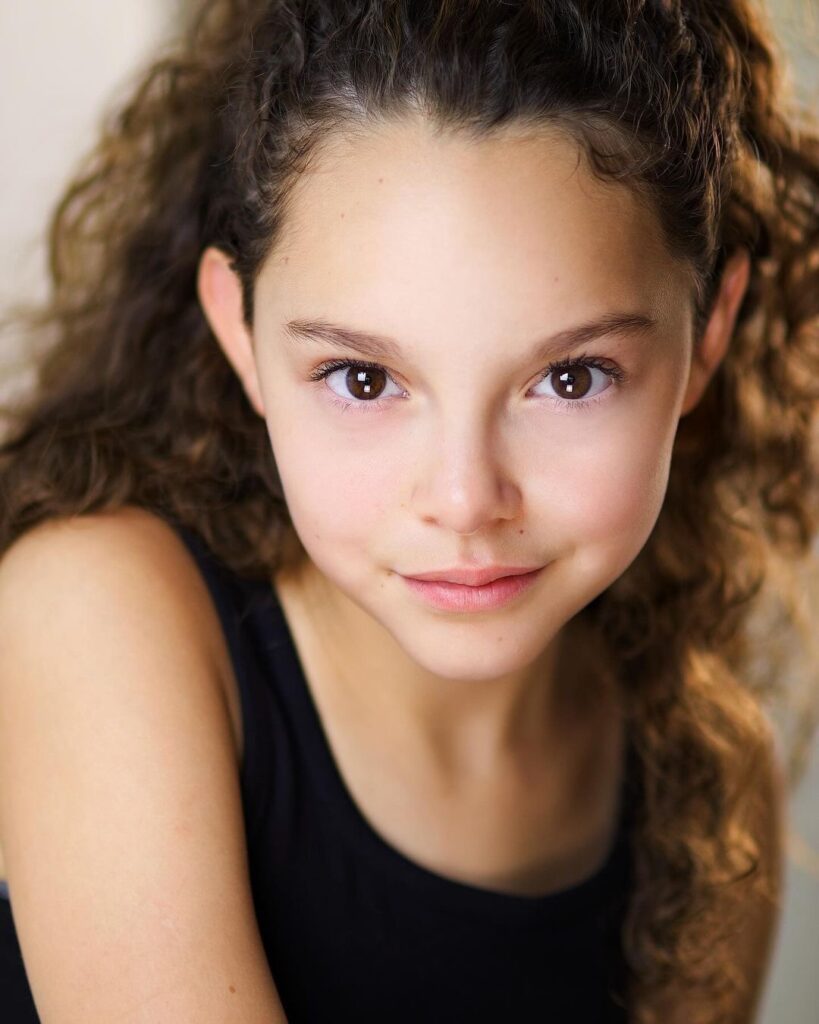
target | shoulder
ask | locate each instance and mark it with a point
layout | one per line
(130, 820)
(129, 533)
(83, 554)
(125, 554)
(124, 574)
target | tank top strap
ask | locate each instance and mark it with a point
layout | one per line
(235, 599)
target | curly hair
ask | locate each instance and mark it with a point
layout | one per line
(683, 101)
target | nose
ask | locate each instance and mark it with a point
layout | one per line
(466, 482)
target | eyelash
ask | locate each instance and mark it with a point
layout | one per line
(583, 359)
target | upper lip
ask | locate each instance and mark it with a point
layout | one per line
(472, 577)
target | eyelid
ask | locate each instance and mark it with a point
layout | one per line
(618, 376)
(587, 359)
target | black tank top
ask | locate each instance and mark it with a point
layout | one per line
(353, 929)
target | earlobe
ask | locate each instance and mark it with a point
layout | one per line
(220, 295)
(713, 345)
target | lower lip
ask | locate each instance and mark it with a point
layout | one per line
(459, 598)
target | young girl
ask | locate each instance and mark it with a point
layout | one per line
(429, 388)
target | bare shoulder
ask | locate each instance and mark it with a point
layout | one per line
(120, 805)
(125, 553)
(112, 559)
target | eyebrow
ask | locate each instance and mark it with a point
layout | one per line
(379, 346)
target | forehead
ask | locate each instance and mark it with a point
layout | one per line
(404, 209)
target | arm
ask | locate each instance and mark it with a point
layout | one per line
(120, 809)
(751, 951)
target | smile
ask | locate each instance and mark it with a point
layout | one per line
(463, 598)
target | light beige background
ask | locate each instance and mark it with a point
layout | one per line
(60, 62)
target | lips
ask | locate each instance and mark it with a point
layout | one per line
(462, 598)
(474, 577)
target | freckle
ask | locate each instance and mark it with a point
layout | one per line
(342, 216)
(232, 989)
(380, 181)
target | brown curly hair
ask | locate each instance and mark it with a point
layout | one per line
(134, 401)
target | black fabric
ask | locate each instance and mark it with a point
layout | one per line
(354, 930)
(16, 1003)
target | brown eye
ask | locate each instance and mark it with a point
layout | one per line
(364, 382)
(572, 383)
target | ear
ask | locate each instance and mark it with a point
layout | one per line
(713, 345)
(220, 295)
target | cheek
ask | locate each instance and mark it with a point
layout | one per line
(609, 496)
(332, 495)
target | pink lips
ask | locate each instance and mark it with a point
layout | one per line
(450, 596)
(475, 577)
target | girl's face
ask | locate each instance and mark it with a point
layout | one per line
(475, 265)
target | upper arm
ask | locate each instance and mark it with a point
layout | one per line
(751, 949)
(120, 807)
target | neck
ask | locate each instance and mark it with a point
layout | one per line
(461, 726)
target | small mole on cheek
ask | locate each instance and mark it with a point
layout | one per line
(232, 989)
(342, 216)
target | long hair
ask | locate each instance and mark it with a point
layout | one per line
(682, 100)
